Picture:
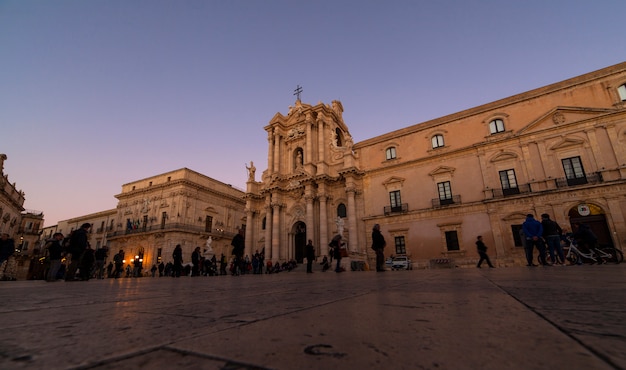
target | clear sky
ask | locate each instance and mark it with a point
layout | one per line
(95, 94)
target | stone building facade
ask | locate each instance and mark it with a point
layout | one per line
(155, 214)
(183, 207)
(434, 186)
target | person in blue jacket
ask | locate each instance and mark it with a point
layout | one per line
(533, 230)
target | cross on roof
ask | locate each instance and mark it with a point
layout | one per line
(298, 91)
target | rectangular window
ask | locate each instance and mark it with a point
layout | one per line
(391, 153)
(400, 245)
(574, 171)
(622, 92)
(445, 192)
(517, 236)
(452, 241)
(508, 182)
(159, 251)
(395, 201)
(208, 224)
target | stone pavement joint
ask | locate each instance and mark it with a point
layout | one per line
(514, 318)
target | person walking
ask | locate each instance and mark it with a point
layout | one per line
(239, 247)
(310, 256)
(195, 262)
(335, 244)
(101, 256)
(482, 252)
(552, 235)
(118, 259)
(178, 260)
(55, 253)
(378, 245)
(533, 232)
(78, 243)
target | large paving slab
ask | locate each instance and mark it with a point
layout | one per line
(517, 318)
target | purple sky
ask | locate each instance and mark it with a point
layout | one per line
(95, 94)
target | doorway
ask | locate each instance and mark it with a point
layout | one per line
(299, 241)
(592, 215)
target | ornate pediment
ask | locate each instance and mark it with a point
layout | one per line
(441, 170)
(504, 156)
(567, 142)
(563, 115)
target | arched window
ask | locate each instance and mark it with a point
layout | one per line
(391, 153)
(341, 210)
(496, 126)
(437, 141)
(622, 92)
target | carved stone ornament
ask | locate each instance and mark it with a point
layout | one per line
(558, 118)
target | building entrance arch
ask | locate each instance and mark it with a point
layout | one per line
(593, 216)
(299, 240)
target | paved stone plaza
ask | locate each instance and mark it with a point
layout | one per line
(505, 318)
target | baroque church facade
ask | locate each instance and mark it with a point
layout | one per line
(435, 186)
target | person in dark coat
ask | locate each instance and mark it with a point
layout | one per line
(78, 243)
(310, 256)
(378, 245)
(335, 244)
(239, 247)
(178, 261)
(7, 247)
(55, 253)
(482, 252)
(87, 260)
(195, 261)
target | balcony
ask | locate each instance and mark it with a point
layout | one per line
(507, 192)
(438, 203)
(403, 208)
(592, 178)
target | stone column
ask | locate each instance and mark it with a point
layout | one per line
(354, 240)
(275, 232)
(249, 245)
(324, 239)
(268, 229)
(310, 229)
(321, 128)
(308, 154)
(270, 152)
(276, 166)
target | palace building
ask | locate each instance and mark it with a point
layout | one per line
(435, 186)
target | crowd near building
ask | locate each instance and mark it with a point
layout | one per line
(432, 187)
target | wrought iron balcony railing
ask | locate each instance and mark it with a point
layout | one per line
(403, 208)
(438, 202)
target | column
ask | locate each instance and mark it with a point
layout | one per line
(270, 152)
(310, 228)
(276, 166)
(308, 154)
(354, 240)
(275, 232)
(321, 128)
(324, 239)
(268, 230)
(249, 245)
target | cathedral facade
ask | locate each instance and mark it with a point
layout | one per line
(437, 185)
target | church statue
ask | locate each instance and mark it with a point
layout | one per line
(340, 224)
(251, 171)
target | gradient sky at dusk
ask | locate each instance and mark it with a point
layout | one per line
(95, 94)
